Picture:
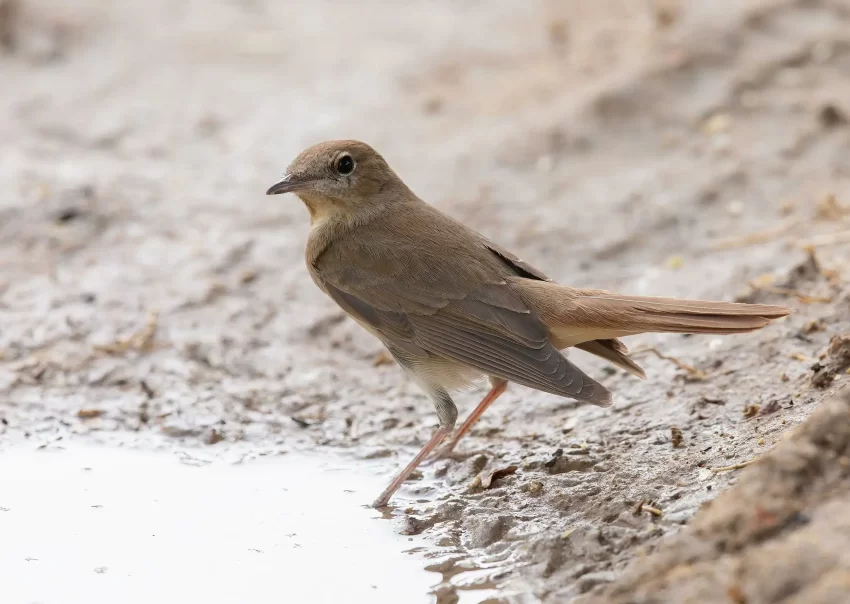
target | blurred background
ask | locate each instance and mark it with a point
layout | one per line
(152, 296)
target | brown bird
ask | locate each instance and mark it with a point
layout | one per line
(452, 307)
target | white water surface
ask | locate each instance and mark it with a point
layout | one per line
(91, 525)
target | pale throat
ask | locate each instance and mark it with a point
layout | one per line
(326, 211)
(320, 210)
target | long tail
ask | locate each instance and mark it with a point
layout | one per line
(593, 319)
(666, 314)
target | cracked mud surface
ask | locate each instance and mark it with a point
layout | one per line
(151, 295)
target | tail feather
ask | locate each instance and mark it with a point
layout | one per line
(576, 316)
(677, 316)
(685, 306)
(614, 352)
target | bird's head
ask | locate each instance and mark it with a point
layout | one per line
(344, 178)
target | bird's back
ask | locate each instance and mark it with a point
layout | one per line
(414, 247)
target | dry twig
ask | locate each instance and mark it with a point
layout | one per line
(787, 291)
(829, 208)
(695, 373)
(642, 506)
(825, 239)
(736, 466)
(755, 238)
(140, 340)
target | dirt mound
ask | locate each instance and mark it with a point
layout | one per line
(779, 535)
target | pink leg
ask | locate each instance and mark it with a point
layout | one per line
(438, 437)
(499, 387)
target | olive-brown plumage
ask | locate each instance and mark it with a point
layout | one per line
(452, 306)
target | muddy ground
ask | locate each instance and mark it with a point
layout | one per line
(150, 294)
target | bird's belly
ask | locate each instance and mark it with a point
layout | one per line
(434, 370)
(450, 375)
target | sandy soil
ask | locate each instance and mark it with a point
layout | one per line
(151, 294)
(779, 535)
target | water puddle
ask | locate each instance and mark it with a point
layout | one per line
(104, 525)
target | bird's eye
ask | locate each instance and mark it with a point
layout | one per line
(345, 164)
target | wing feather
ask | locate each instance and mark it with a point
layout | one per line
(451, 299)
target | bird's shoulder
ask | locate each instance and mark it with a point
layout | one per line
(413, 244)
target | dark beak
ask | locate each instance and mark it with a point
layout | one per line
(288, 184)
